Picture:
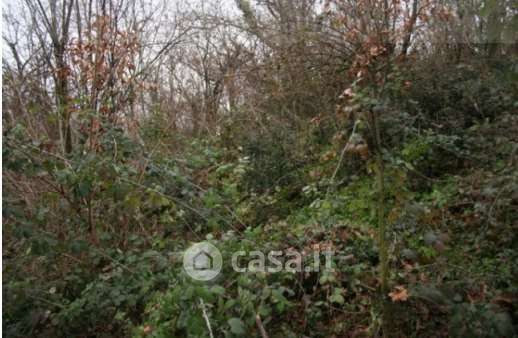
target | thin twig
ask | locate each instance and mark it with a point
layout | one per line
(259, 323)
(341, 158)
(206, 317)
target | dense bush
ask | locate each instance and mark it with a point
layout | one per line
(296, 127)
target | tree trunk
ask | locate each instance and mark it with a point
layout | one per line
(410, 29)
(62, 100)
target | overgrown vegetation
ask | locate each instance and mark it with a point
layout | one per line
(375, 129)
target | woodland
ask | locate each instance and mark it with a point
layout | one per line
(385, 131)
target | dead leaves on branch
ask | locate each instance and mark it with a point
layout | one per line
(104, 62)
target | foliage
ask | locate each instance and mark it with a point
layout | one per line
(294, 127)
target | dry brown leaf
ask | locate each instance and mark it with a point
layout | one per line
(400, 294)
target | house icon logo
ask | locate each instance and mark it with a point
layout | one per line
(202, 261)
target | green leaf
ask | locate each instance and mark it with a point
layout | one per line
(337, 298)
(218, 289)
(230, 303)
(264, 310)
(84, 188)
(236, 326)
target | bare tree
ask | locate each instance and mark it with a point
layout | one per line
(53, 23)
